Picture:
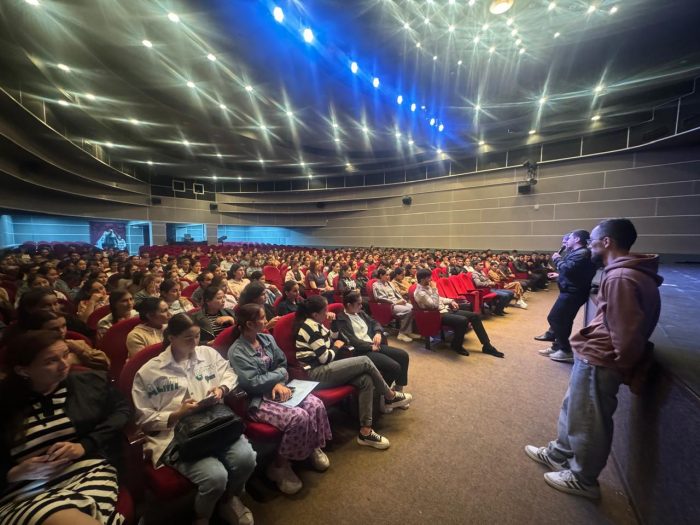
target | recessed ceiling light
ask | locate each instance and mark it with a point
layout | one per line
(219, 155)
(413, 106)
(186, 142)
(441, 127)
(485, 27)
(451, 2)
(532, 131)
(64, 67)
(90, 96)
(477, 107)
(375, 82)
(434, 57)
(438, 151)
(551, 6)
(211, 57)
(514, 32)
(518, 41)
(542, 100)
(422, 107)
(481, 143)
(591, 8)
(263, 127)
(354, 67)
(498, 7)
(365, 129)
(397, 134)
(311, 175)
(598, 88)
(613, 10)
(240, 178)
(173, 17)
(190, 84)
(278, 14)
(302, 163)
(109, 144)
(417, 44)
(63, 102)
(290, 114)
(32, 2)
(222, 106)
(249, 88)
(595, 118)
(492, 49)
(213, 177)
(432, 121)
(522, 50)
(510, 21)
(308, 35)
(557, 34)
(410, 142)
(261, 161)
(476, 39)
(336, 139)
(471, 2)
(134, 121)
(399, 99)
(150, 162)
(459, 62)
(335, 125)
(426, 21)
(406, 25)
(147, 43)
(451, 28)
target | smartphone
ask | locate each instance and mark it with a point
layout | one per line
(208, 401)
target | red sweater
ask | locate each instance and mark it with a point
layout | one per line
(627, 312)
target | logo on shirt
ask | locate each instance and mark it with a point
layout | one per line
(204, 372)
(161, 386)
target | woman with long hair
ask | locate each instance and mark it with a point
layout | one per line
(213, 318)
(170, 292)
(154, 314)
(60, 437)
(150, 288)
(92, 295)
(256, 292)
(121, 306)
(321, 352)
(262, 372)
(171, 386)
(290, 298)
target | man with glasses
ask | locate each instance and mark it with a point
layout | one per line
(576, 272)
(613, 349)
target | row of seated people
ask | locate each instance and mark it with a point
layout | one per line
(63, 469)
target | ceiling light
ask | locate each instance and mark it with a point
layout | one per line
(452, 2)
(557, 34)
(510, 21)
(551, 6)
(518, 41)
(63, 102)
(476, 39)
(434, 57)
(426, 21)
(278, 14)
(261, 161)
(459, 62)
(173, 17)
(249, 88)
(302, 163)
(514, 32)
(438, 151)
(150, 162)
(109, 144)
(190, 84)
(375, 82)
(311, 175)
(451, 28)
(222, 106)
(336, 139)
(213, 177)
(308, 35)
(413, 106)
(423, 108)
(354, 67)
(591, 8)
(441, 127)
(290, 114)
(406, 25)
(532, 132)
(471, 2)
(481, 143)
(542, 100)
(32, 2)
(598, 88)
(211, 57)
(219, 155)
(186, 142)
(365, 129)
(64, 67)
(522, 50)
(417, 44)
(397, 134)
(240, 178)
(411, 143)
(90, 96)
(399, 99)
(432, 121)
(492, 49)
(477, 107)
(134, 121)
(595, 118)
(485, 27)
(263, 127)
(613, 10)
(498, 7)
(147, 43)
(348, 166)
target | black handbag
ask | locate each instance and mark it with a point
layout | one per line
(207, 432)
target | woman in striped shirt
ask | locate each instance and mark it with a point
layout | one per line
(322, 354)
(60, 437)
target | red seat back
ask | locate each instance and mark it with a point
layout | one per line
(125, 381)
(95, 316)
(114, 344)
(273, 276)
(285, 338)
(78, 336)
(189, 290)
(223, 341)
(381, 312)
(428, 322)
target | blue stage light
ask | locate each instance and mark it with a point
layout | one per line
(399, 99)
(432, 121)
(278, 14)
(413, 106)
(441, 127)
(375, 82)
(308, 35)
(354, 67)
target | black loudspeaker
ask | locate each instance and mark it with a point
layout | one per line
(524, 188)
(213, 207)
(156, 200)
(407, 200)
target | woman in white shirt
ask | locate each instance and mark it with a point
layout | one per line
(171, 386)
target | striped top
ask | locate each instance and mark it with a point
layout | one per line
(45, 425)
(314, 344)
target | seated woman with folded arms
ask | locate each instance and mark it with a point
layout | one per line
(320, 352)
(170, 292)
(60, 437)
(213, 318)
(290, 293)
(121, 305)
(154, 314)
(365, 334)
(256, 292)
(169, 387)
(92, 295)
(295, 274)
(262, 372)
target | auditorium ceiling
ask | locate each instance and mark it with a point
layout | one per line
(261, 90)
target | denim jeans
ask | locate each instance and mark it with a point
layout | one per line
(504, 298)
(357, 371)
(585, 424)
(561, 317)
(212, 475)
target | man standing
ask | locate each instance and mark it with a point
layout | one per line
(576, 272)
(609, 351)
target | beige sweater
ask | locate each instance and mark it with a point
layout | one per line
(141, 337)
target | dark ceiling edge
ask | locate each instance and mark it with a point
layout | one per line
(87, 156)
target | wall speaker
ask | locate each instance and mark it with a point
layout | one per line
(156, 200)
(524, 188)
(213, 206)
(407, 200)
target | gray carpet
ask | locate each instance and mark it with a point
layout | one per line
(456, 455)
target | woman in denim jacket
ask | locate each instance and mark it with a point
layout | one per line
(262, 372)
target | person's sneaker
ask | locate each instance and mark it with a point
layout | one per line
(236, 513)
(492, 351)
(404, 338)
(547, 336)
(547, 351)
(521, 304)
(400, 399)
(562, 357)
(414, 336)
(285, 478)
(319, 460)
(566, 481)
(373, 440)
(540, 455)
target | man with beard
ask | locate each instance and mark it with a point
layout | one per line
(613, 349)
(576, 272)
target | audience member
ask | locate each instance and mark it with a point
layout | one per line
(121, 306)
(385, 293)
(170, 292)
(290, 298)
(154, 314)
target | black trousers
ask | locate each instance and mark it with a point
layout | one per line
(392, 363)
(459, 321)
(561, 317)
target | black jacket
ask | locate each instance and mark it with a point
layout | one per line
(98, 412)
(576, 270)
(343, 325)
(200, 319)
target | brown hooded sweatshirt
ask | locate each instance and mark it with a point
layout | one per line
(627, 312)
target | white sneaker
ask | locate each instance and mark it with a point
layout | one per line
(521, 304)
(414, 336)
(236, 513)
(567, 482)
(404, 338)
(319, 460)
(373, 440)
(287, 481)
(386, 406)
(540, 455)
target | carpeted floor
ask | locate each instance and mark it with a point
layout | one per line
(456, 455)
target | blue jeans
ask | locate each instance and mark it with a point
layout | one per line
(585, 424)
(504, 298)
(214, 474)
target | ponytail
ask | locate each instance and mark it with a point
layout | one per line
(311, 305)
